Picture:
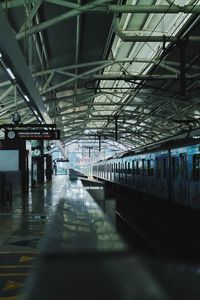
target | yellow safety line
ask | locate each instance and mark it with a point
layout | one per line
(13, 274)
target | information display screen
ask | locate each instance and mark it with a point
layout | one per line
(41, 134)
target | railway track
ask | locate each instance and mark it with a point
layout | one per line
(159, 238)
(139, 240)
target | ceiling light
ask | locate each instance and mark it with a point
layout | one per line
(0, 55)
(12, 76)
(26, 97)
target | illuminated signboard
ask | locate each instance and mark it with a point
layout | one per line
(33, 134)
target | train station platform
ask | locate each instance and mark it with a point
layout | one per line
(57, 243)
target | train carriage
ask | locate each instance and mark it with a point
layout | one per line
(169, 171)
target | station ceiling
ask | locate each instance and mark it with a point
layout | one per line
(122, 71)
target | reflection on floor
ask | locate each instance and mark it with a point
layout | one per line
(22, 225)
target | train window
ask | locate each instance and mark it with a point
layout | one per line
(133, 167)
(183, 166)
(129, 168)
(116, 168)
(119, 167)
(196, 167)
(122, 168)
(138, 167)
(164, 167)
(125, 168)
(175, 167)
(158, 167)
(150, 167)
(143, 167)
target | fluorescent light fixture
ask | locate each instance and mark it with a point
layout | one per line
(35, 112)
(12, 76)
(27, 98)
(0, 55)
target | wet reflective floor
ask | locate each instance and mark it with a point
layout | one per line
(59, 217)
(22, 226)
(22, 223)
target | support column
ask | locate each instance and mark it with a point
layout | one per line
(99, 137)
(40, 163)
(49, 167)
(116, 128)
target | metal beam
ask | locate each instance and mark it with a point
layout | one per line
(32, 13)
(78, 38)
(44, 50)
(48, 80)
(150, 38)
(61, 18)
(17, 62)
(76, 77)
(15, 3)
(6, 92)
(64, 3)
(73, 67)
(172, 9)
(95, 63)
(154, 9)
(134, 77)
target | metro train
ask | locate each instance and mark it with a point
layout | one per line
(168, 171)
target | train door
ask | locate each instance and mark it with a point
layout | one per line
(129, 173)
(119, 172)
(183, 180)
(150, 174)
(122, 172)
(125, 172)
(143, 177)
(174, 178)
(194, 168)
(161, 187)
(115, 172)
(133, 173)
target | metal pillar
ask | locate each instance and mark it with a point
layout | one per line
(40, 163)
(116, 128)
(182, 46)
(99, 137)
(89, 149)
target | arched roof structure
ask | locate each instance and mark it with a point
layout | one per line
(121, 71)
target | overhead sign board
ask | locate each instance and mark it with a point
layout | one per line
(33, 134)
